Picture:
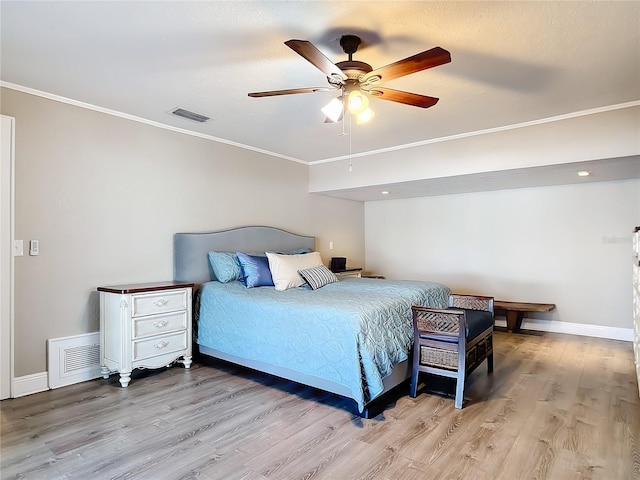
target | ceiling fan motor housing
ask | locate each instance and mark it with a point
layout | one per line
(353, 68)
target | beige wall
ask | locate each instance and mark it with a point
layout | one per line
(569, 245)
(105, 195)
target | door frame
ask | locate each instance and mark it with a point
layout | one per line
(7, 224)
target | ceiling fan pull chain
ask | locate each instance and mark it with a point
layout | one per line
(350, 164)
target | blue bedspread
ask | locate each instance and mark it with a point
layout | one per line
(352, 332)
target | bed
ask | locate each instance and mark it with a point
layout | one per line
(350, 337)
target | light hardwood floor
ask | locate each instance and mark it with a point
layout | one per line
(556, 407)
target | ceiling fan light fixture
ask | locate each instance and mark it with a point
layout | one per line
(333, 110)
(357, 102)
(365, 116)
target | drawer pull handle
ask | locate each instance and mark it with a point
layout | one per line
(160, 345)
(161, 302)
(160, 324)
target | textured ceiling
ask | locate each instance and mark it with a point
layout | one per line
(512, 62)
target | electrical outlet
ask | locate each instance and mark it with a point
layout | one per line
(34, 248)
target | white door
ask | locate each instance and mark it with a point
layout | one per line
(6, 255)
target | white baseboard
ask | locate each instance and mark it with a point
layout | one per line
(28, 384)
(600, 331)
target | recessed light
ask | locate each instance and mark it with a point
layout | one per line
(584, 173)
(384, 192)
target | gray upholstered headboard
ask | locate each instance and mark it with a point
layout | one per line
(190, 261)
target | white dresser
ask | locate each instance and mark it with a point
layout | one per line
(636, 301)
(144, 326)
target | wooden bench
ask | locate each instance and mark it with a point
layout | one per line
(515, 311)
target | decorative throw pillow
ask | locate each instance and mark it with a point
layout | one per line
(284, 268)
(255, 270)
(225, 266)
(318, 277)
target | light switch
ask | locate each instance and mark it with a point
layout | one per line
(34, 247)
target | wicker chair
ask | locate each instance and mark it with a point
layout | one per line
(453, 342)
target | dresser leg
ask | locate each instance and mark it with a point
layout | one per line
(104, 371)
(125, 378)
(187, 362)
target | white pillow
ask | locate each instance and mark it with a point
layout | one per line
(284, 268)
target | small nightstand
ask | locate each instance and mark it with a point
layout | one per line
(349, 272)
(144, 326)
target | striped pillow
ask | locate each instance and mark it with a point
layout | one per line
(318, 276)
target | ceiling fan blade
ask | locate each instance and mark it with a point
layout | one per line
(308, 51)
(421, 61)
(399, 96)
(291, 91)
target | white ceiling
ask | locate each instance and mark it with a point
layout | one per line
(512, 62)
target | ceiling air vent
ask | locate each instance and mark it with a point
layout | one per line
(196, 117)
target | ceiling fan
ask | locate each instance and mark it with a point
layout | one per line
(354, 78)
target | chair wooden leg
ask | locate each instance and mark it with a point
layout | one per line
(459, 390)
(414, 384)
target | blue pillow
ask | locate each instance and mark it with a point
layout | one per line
(255, 270)
(225, 266)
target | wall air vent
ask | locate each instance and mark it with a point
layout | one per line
(73, 359)
(196, 117)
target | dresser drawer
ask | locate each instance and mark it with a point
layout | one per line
(159, 302)
(159, 345)
(156, 324)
